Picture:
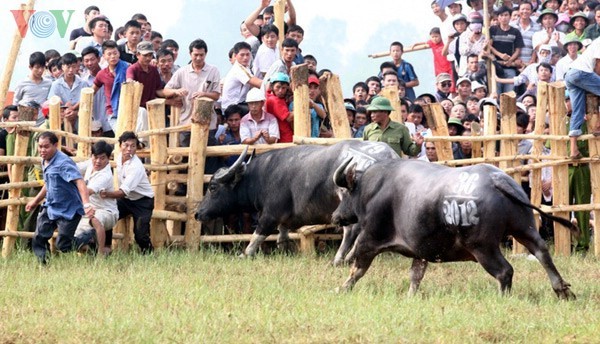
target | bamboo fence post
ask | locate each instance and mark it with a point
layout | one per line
(538, 146)
(54, 116)
(434, 113)
(560, 174)
(158, 179)
(13, 53)
(17, 174)
(508, 125)
(391, 93)
(86, 103)
(476, 148)
(279, 13)
(592, 103)
(332, 87)
(490, 120)
(173, 227)
(198, 142)
(299, 75)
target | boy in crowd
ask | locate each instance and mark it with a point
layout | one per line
(35, 88)
(133, 34)
(172, 46)
(317, 111)
(277, 105)
(361, 119)
(99, 27)
(68, 87)
(296, 33)
(239, 79)
(91, 62)
(435, 42)
(404, 69)
(311, 63)
(267, 53)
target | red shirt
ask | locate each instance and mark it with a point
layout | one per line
(440, 62)
(279, 108)
(150, 79)
(107, 79)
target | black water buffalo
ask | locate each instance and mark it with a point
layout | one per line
(290, 188)
(434, 213)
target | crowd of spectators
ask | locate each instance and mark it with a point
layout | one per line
(529, 41)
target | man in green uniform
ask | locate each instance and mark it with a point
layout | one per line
(383, 129)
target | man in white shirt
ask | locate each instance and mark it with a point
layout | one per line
(584, 76)
(239, 79)
(98, 177)
(135, 195)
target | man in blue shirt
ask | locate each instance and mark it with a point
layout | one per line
(66, 198)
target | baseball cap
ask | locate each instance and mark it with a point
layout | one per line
(145, 47)
(463, 79)
(313, 80)
(255, 95)
(443, 77)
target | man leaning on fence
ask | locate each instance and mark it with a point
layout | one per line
(66, 199)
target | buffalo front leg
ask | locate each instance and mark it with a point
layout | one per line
(255, 242)
(348, 239)
(417, 271)
(358, 270)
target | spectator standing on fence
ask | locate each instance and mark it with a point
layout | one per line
(98, 176)
(66, 199)
(91, 62)
(35, 88)
(239, 80)
(197, 79)
(68, 87)
(100, 27)
(405, 70)
(89, 13)
(582, 77)
(135, 195)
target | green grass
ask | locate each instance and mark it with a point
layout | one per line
(214, 297)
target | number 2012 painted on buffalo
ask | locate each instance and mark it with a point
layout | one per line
(460, 209)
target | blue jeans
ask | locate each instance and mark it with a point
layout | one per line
(509, 73)
(578, 83)
(44, 230)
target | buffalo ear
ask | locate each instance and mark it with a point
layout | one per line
(351, 177)
(239, 172)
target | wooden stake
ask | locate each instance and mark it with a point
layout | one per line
(490, 120)
(538, 147)
(299, 75)
(279, 13)
(158, 156)
(434, 113)
(391, 93)
(560, 174)
(54, 116)
(86, 104)
(334, 99)
(198, 142)
(13, 53)
(592, 103)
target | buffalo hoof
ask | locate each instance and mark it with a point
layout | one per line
(566, 294)
(339, 262)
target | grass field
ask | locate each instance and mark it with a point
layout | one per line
(215, 297)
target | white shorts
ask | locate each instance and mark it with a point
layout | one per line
(106, 218)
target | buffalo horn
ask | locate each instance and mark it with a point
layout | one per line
(231, 170)
(339, 177)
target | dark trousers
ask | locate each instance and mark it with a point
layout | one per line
(141, 210)
(44, 230)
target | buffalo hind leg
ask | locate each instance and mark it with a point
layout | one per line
(496, 265)
(537, 246)
(417, 271)
(284, 243)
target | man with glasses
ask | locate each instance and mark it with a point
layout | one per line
(443, 83)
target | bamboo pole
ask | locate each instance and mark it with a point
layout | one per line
(387, 53)
(158, 156)
(391, 93)
(248, 237)
(592, 103)
(20, 185)
(299, 75)
(334, 98)
(14, 201)
(13, 53)
(29, 235)
(17, 174)
(86, 104)
(69, 129)
(19, 124)
(560, 174)
(434, 113)
(54, 116)
(199, 140)
(476, 151)
(279, 13)
(490, 120)
(322, 141)
(497, 137)
(538, 147)
(173, 131)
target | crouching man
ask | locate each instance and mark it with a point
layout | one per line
(97, 174)
(66, 199)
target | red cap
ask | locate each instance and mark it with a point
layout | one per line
(313, 80)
